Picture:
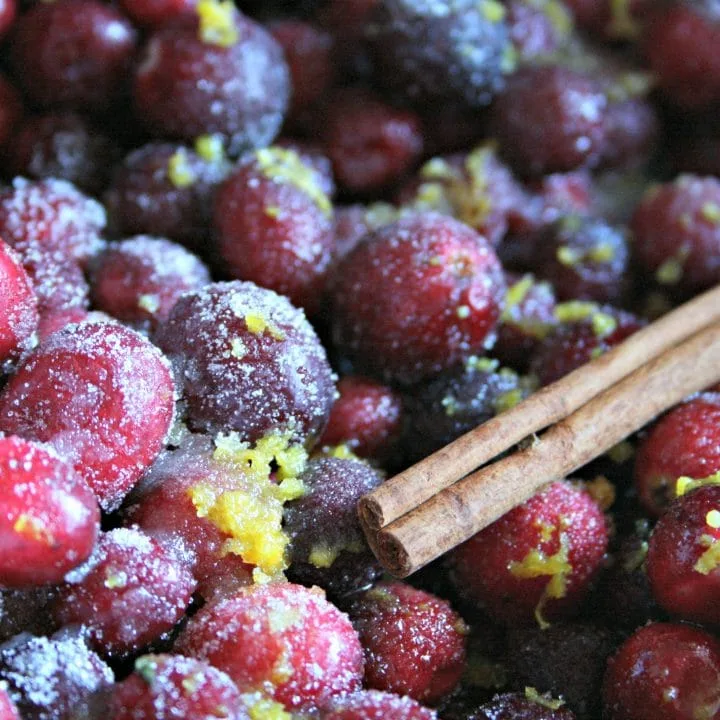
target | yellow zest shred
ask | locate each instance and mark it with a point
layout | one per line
(263, 708)
(710, 559)
(508, 400)
(217, 22)
(33, 528)
(685, 484)
(492, 10)
(546, 700)
(603, 324)
(711, 212)
(713, 519)
(149, 303)
(621, 452)
(574, 311)
(210, 148)
(257, 324)
(179, 171)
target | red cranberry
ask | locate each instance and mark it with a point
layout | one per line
(8, 12)
(130, 592)
(632, 133)
(102, 395)
(313, 155)
(194, 81)
(663, 672)
(538, 29)
(372, 704)
(284, 638)
(416, 297)
(539, 558)
(11, 109)
(157, 12)
(74, 53)
(49, 516)
(52, 321)
(8, 711)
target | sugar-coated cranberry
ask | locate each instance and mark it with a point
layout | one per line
(130, 592)
(416, 297)
(164, 190)
(683, 556)
(676, 228)
(538, 29)
(273, 225)
(439, 52)
(539, 559)
(414, 642)
(371, 144)
(201, 78)
(8, 711)
(550, 119)
(11, 110)
(632, 133)
(157, 12)
(53, 678)
(514, 706)
(283, 638)
(247, 360)
(685, 442)
(102, 395)
(313, 155)
(163, 687)
(74, 53)
(18, 309)
(374, 705)
(327, 545)
(140, 279)
(663, 672)
(57, 320)
(49, 516)
(366, 417)
(62, 145)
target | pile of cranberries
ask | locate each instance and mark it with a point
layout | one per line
(257, 256)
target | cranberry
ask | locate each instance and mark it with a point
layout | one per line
(538, 29)
(200, 79)
(663, 672)
(102, 395)
(632, 133)
(273, 225)
(247, 360)
(74, 53)
(8, 711)
(157, 12)
(284, 638)
(416, 297)
(52, 321)
(49, 516)
(11, 109)
(540, 558)
(130, 592)
(8, 12)
(530, 706)
(313, 155)
(372, 704)
(414, 642)
(139, 280)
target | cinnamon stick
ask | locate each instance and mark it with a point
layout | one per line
(461, 510)
(419, 483)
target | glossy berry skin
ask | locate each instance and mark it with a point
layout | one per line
(515, 706)
(140, 279)
(75, 53)
(18, 309)
(164, 687)
(663, 671)
(416, 297)
(537, 561)
(273, 226)
(376, 705)
(550, 119)
(414, 642)
(676, 227)
(283, 638)
(50, 518)
(102, 395)
(682, 443)
(366, 417)
(185, 87)
(278, 377)
(155, 13)
(131, 592)
(8, 13)
(54, 677)
(52, 321)
(681, 562)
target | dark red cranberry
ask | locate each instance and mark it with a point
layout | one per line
(8, 12)
(284, 638)
(416, 297)
(62, 145)
(685, 442)
(313, 155)
(164, 687)
(157, 12)
(49, 516)
(366, 417)
(18, 309)
(676, 228)
(203, 78)
(632, 133)
(550, 119)
(353, 222)
(53, 677)
(74, 53)
(327, 545)
(372, 704)
(52, 321)
(247, 360)
(102, 395)
(439, 52)
(130, 592)
(414, 642)
(371, 144)
(530, 706)
(663, 672)
(165, 190)
(60, 286)
(140, 279)
(273, 225)
(539, 559)
(11, 109)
